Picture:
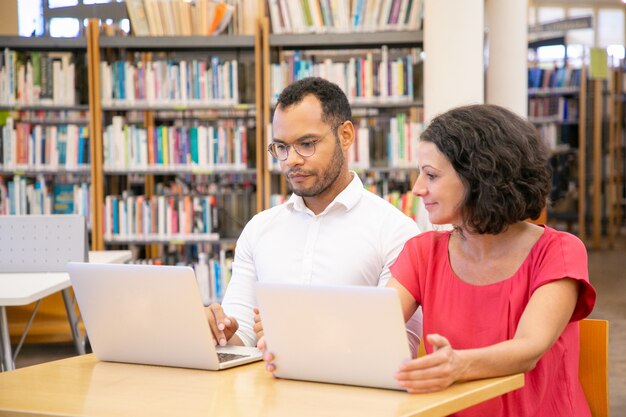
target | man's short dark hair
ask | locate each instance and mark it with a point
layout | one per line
(501, 160)
(335, 105)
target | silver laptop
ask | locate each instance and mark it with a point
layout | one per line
(350, 335)
(149, 315)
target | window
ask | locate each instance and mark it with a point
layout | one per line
(580, 36)
(30, 17)
(550, 14)
(60, 3)
(64, 27)
(610, 27)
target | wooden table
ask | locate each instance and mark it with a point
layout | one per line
(21, 288)
(84, 386)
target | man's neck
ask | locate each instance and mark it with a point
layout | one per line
(318, 203)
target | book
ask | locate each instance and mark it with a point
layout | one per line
(63, 199)
(138, 19)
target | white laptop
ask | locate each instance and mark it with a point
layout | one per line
(350, 335)
(149, 315)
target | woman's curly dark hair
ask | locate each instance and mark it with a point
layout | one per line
(500, 159)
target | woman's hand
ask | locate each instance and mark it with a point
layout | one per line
(432, 372)
(268, 357)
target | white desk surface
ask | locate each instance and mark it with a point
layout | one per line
(25, 288)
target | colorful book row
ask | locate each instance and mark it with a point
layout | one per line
(395, 144)
(319, 16)
(208, 146)
(554, 108)
(542, 78)
(39, 78)
(25, 196)
(33, 146)
(213, 275)
(367, 78)
(169, 82)
(161, 217)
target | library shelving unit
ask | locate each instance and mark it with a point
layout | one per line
(386, 120)
(178, 120)
(617, 174)
(44, 141)
(45, 149)
(554, 103)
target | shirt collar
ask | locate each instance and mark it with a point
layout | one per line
(348, 198)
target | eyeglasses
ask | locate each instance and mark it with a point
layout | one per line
(305, 149)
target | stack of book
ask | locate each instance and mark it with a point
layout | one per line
(40, 78)
(366, 77)
(320, 16)
(166, 82)
(26, 196)
(160, 218)
(203, 147)
(35, 147)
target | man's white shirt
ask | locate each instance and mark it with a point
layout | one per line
(353, 241)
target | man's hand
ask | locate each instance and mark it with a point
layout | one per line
(258, 326)
(222, 326)
(268, 357)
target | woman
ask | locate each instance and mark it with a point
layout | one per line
(499, 295)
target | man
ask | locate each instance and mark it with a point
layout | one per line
(330, 231)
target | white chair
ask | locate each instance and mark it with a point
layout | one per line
(33, 253)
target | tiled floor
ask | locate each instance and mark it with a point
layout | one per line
(608, 275)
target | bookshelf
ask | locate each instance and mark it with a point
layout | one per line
(179, 164)
(617, 175)
(386, 120)
(554, 103)
(45, 148)
(44, 141)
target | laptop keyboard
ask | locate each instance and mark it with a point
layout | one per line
(224, 357)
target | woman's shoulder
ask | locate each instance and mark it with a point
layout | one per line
(431, 239)
(557, 239)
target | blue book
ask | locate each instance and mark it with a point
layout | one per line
(196, 79)
(121, 82)
(409, 76)
(62, 143)
(116, 216)
(215, 75)
(11, 197)
(193, 143)
(218, 279)
(63, 199)
(159, 145)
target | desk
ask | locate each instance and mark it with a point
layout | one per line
(24, 288)
(83, 386)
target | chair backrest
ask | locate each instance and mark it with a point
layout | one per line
(42, 243)
(593, 370)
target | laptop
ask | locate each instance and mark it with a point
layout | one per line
(150, 315)
(351, 335)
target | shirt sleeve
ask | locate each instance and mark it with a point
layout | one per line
(240, 298)
(396, 232)
(565, 256)
(405, 269)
